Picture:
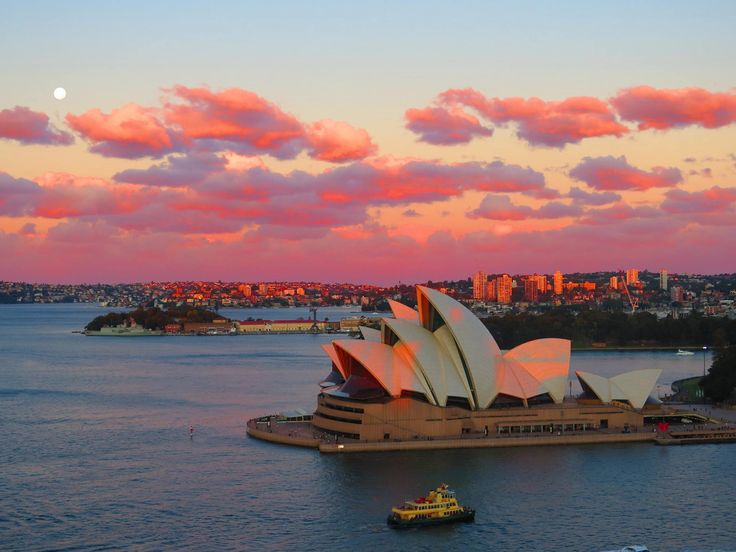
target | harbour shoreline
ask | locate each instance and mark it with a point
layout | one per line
(301, 434)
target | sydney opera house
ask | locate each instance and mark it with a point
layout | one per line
(437, 373)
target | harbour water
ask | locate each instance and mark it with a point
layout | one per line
(95, 454)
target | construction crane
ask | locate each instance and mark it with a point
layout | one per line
(633, 301)
(314, 328)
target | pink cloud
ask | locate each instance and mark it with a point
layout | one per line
(129, 131)
(425, 181)
(444, 126)
(202, 196)
(338, 142)
(500, 207)
(178, 171)
(237, 117)
(615, 173)
(95, 251)
(31, 127)
(582, 197)
(670, 108)
(712, 200)
(617, 213)
(28, 229)
(553, 124)
(65, 195)
(17, 195)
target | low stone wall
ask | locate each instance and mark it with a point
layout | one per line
(279, 437)
(302, 435)
(491, 442)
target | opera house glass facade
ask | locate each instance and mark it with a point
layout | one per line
(437, 373)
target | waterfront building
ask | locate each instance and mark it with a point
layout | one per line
(557, 283)
(504, 287)
(663, 279)
(480, 286)
(632, 276)
(284, 326)
(436, 372)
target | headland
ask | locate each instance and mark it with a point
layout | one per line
(435, 378)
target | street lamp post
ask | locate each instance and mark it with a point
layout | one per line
(704, 350)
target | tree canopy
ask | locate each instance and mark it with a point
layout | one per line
(720, 383)
(587, 327)
(153, 318)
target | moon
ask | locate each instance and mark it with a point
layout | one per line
(59, 93)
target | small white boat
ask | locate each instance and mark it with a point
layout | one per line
(632, 548)
(680, 352)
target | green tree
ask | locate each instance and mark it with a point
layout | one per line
(720, 383)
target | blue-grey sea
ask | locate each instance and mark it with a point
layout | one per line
(95, 454)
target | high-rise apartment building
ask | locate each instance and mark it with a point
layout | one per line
(504, 286)
(491, 293)
(632, 276)
(480, 286)
(677, 293)
(541, 283)
(663, 275)
(557, 283)
(613, 282)
(531, 289)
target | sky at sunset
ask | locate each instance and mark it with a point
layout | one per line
(371, 142)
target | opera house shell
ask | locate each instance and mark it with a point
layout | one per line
(437, 371)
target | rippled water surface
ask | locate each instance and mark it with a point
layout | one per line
(95, 453)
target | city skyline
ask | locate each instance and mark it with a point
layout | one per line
(334, 145)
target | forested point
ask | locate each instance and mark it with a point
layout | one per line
(153, 318)
(590, 328)
(720, 383)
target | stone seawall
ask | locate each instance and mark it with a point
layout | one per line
(491, 442)
(284, 438)
(300, 435)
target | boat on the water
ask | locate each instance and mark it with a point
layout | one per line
(632, 548)
(439, 507)
(682, 352)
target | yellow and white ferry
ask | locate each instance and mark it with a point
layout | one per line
(438, 507)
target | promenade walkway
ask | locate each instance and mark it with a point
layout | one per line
(304, 434)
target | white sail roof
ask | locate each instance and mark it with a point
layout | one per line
(370, 334)
(477, 347)
(515, 381)
(547, 360)
(329, 348)
(389, 369)
(633, 387)
(443, 350)
(430, 358)
(402, 311)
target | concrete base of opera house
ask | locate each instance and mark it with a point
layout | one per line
(303, 434)
(339, 426)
